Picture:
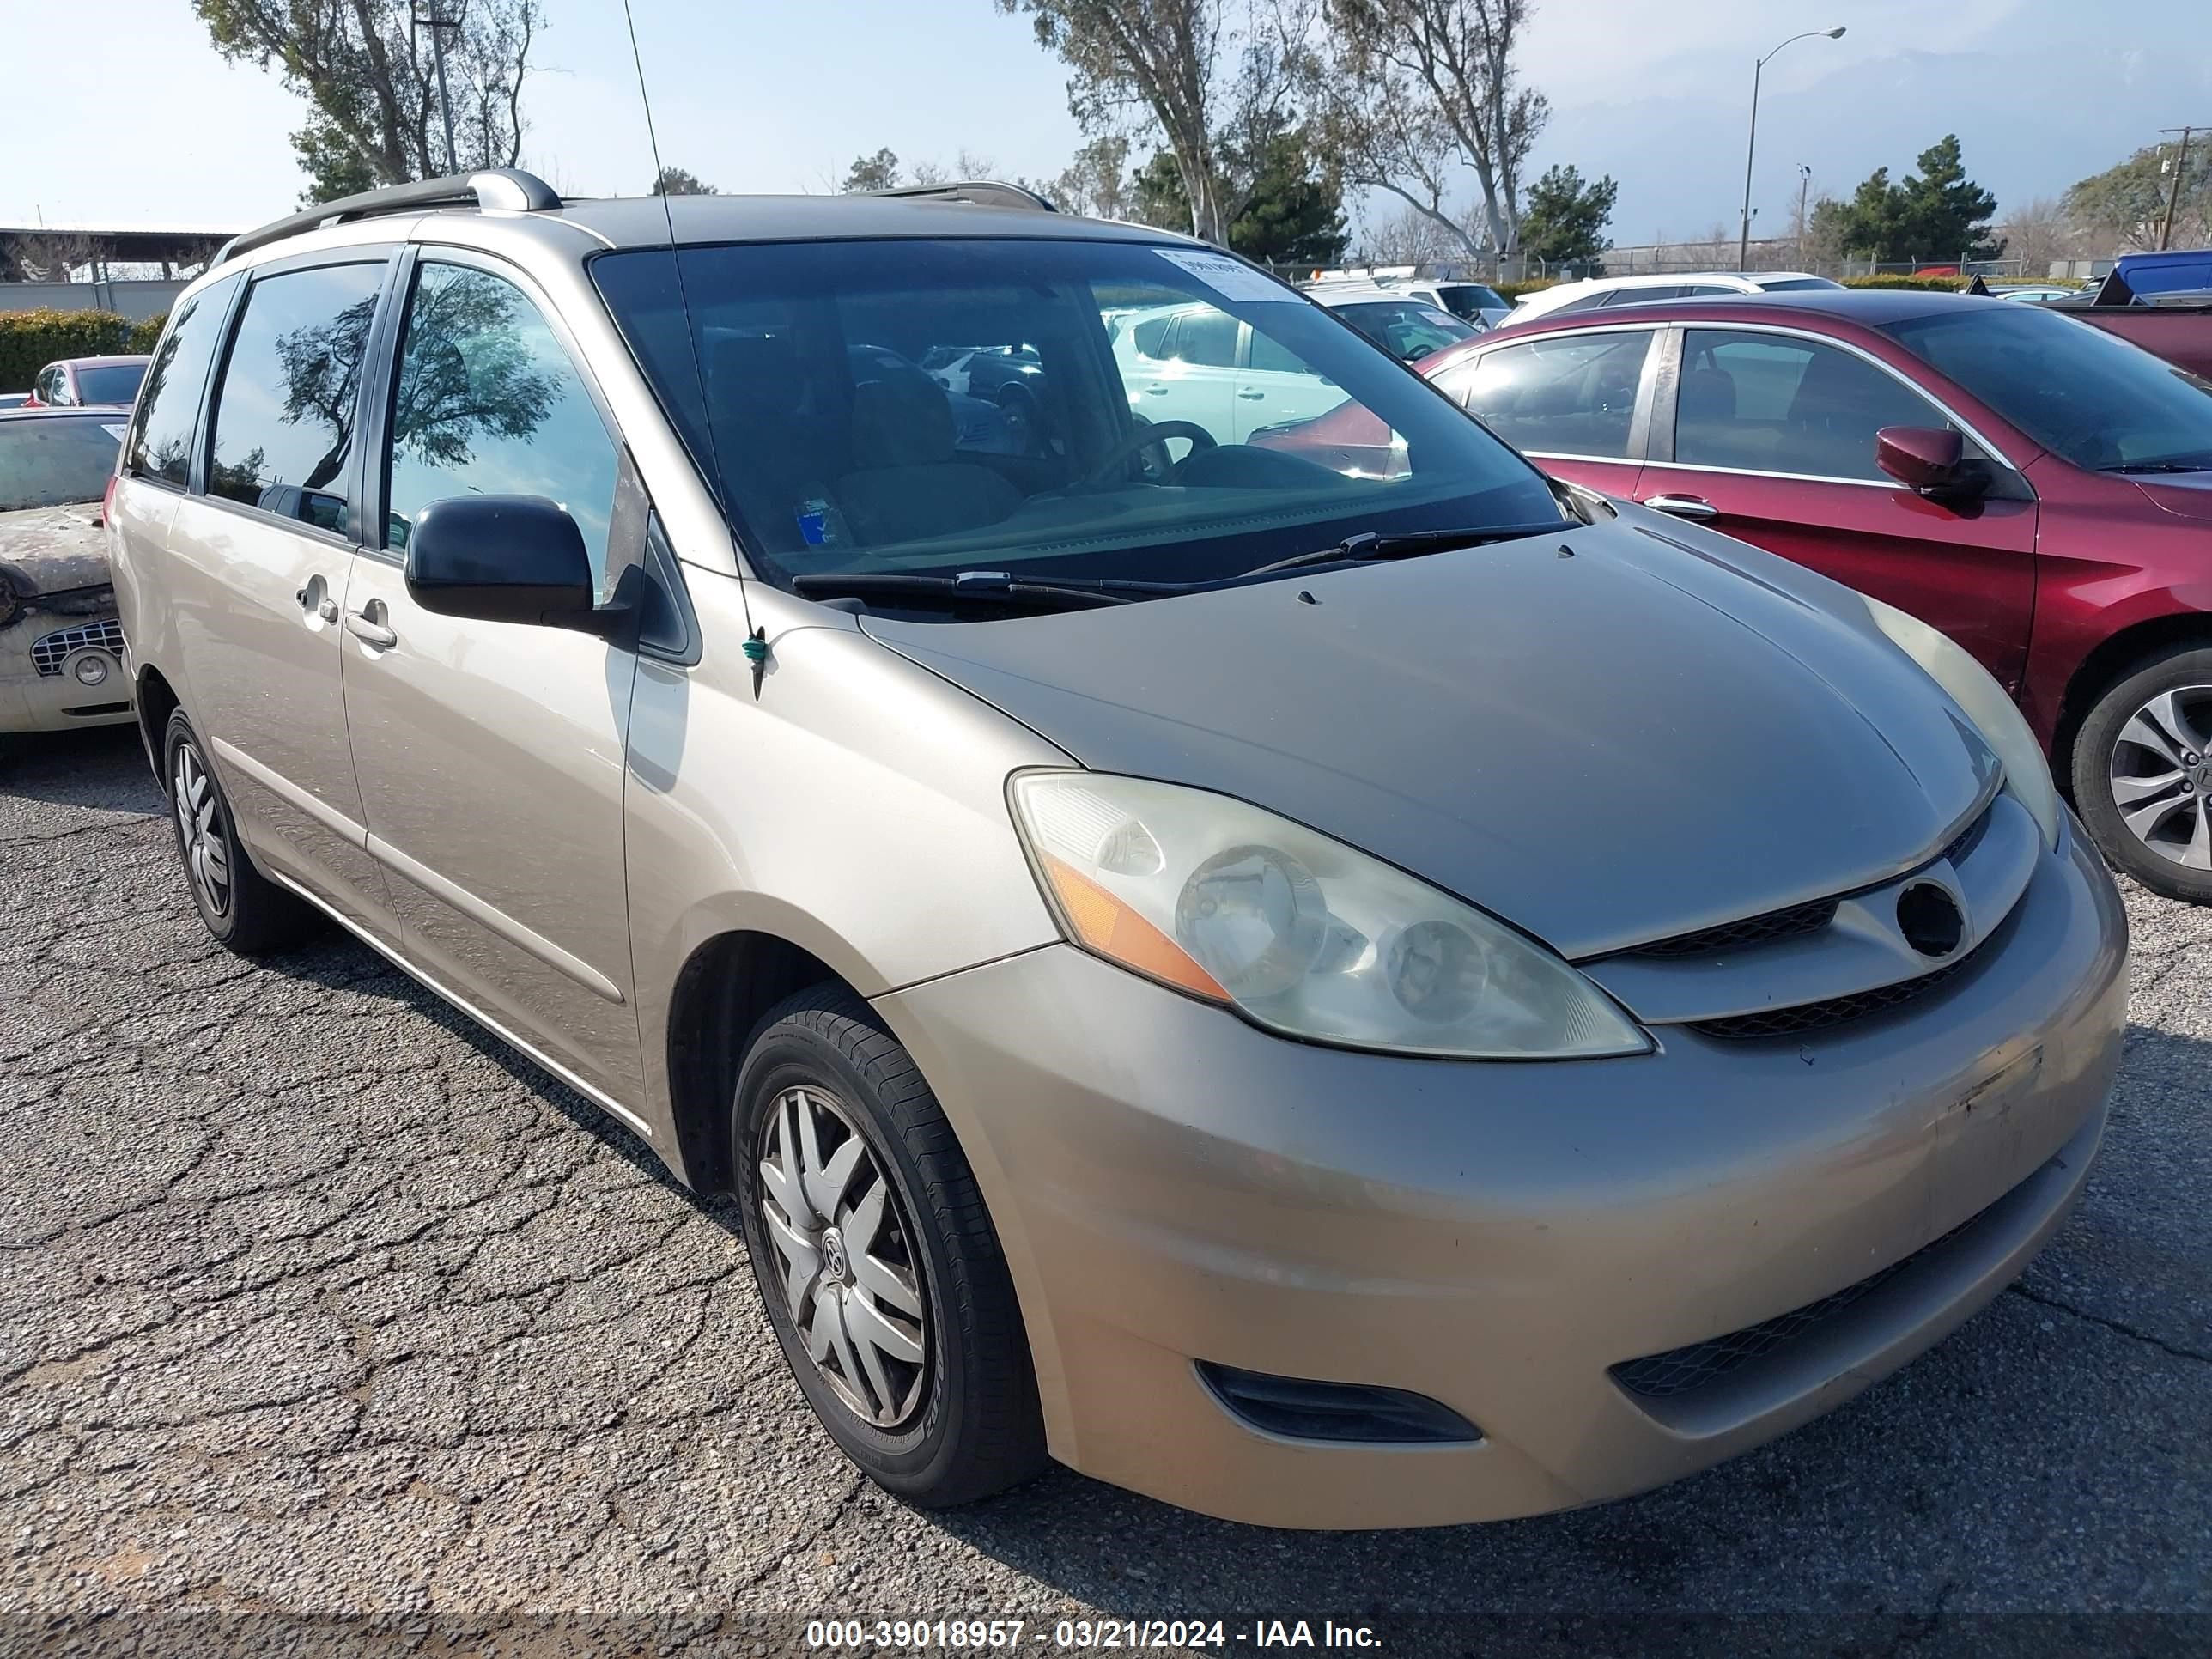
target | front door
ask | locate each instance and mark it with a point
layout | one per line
(261, 562)
(1576, 403)
(1773, 441)
(490, 755)
(1274, 386)
(1183, 367)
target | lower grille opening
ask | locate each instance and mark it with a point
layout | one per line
(98, 709)
(1685, 1370)
(1348, 1413)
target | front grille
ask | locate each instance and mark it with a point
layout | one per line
(1792, 922)
(1817, 1016)
(50, 653)
(1685, 1370)
(1809, 918)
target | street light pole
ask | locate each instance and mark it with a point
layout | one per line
(1750, 147)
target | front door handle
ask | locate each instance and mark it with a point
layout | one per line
(1252, 397)
(365, 625)
(1684, 506)
(1156, 392)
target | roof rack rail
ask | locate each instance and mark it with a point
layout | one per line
(984, 192)
(489, 187)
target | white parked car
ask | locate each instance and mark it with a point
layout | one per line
(1196, 363)
(1588, 295)
(1471, 302)
(1406, 327)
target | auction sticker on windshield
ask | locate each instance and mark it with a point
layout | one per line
(1231, 279)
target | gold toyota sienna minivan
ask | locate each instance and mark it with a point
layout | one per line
(1333, 992)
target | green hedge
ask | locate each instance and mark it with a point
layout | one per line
(29, 340)
(1515, 290)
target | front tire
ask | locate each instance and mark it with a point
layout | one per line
(877, 1262)
(244, 909)
(2143, 774)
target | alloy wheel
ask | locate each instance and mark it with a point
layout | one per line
(850, 1270)
(2161, 773)
(199, 822)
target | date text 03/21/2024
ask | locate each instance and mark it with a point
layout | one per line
(954, 1635)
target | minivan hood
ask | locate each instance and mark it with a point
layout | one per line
(1605, 737)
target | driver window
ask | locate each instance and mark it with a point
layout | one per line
(1774, 403)
(489, 404)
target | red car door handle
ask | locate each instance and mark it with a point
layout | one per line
(1684, 506)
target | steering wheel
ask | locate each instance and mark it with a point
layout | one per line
(1144, 438)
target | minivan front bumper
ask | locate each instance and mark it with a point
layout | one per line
(1173, 1186)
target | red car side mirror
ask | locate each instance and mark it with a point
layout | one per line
(1921, 458)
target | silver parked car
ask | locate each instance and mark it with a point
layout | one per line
(1333, 1001)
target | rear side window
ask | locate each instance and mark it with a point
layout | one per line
(1569, 394)
(284, 414)
(488, 403)
(169, 402)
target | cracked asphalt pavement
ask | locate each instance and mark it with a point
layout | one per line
(315, 1300)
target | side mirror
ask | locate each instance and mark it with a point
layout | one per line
(503, 558)
(1929, 459)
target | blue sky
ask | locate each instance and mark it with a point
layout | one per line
(752, 94)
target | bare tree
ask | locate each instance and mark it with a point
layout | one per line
(1096, 184)
(2040, 233)
(52, 255)
(1410, 90)
(1411, 236)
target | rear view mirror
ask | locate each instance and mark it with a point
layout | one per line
(1929, 459)
(503, 558)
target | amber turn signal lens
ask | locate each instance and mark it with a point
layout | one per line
(1105, 925)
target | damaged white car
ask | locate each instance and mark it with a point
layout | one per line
(61, 645)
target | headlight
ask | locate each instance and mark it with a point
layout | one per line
(2027, 774)
(1300, 933)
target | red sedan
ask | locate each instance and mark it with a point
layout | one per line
(2040, 491)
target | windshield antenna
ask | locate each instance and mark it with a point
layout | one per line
(755, 638)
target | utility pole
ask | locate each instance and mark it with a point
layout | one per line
(416, 19)
(2174, 190)
(1804, 187)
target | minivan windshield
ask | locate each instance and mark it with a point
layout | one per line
(1055, 411)
(2087, 397)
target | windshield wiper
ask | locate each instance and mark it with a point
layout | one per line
(1367, 545)
(989, 586)
(2204, 465)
